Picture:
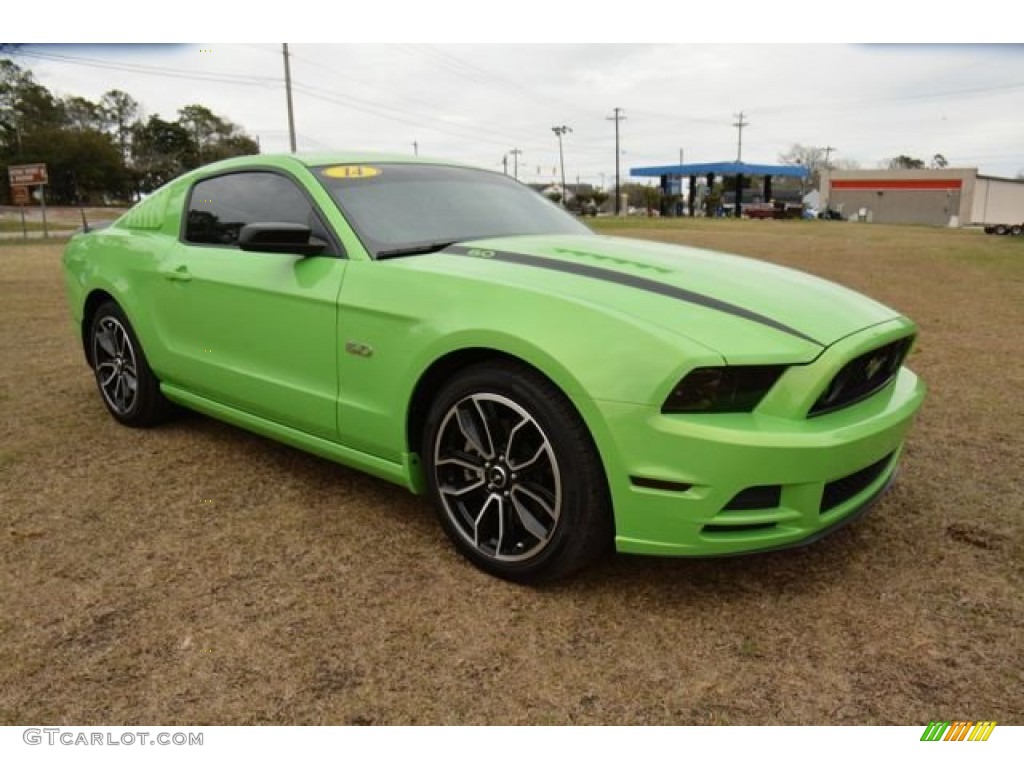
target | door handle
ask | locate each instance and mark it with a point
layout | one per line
(181, 274)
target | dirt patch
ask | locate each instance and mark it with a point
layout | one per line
(197, 574)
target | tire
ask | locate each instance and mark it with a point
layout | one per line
(127, 385)
(514, 475)
(1000, 229)
(1016, 229)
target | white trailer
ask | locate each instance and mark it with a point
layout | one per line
(998, 205)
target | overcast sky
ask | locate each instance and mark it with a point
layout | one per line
(474, 103)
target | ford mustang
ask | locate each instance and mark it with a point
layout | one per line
(553, 392)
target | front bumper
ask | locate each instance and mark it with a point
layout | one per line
(733, 483)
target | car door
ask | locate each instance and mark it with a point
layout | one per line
(253, 330)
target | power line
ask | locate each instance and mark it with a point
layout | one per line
(140, 69)
(477, 74)
(306, 138)
(363, 105)
(676, 118)
(353, 103)
(349, 79)
(901, 99)
(231, 79)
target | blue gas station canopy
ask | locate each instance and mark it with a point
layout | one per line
(722, 169)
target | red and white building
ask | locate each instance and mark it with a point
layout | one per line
(941, 197)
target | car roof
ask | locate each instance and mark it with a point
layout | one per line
(347, 158)
(311, 160)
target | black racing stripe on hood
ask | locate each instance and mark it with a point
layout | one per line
(633, 281)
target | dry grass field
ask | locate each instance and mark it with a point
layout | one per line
(196, 574)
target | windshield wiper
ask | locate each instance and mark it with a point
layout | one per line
(415, 250)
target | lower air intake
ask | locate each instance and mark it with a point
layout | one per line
(845, 488)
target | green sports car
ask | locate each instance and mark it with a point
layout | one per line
(450, 330)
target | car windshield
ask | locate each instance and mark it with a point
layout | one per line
(400, 209)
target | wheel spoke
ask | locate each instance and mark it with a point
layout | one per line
(109, 378)
(517, 467)
(486, 426)
(480, 517)
(467, 424)
(512, 436)
(463, 459)
(530, 461)
(449, 490)
(106, 342)
(542, 502)
(530, 523)
(130, 381)
(119, 339)
(115, 396)
(501, 525)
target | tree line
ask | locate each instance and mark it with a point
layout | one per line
(107, 151)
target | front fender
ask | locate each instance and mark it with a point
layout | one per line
(403, 322)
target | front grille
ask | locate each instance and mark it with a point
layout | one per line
(845, 488)
(862, 377)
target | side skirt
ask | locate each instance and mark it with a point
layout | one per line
(403, 473)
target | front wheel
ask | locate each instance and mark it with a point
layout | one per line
(514, 475)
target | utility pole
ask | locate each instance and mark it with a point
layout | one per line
(561, 130)
(504, 164)
(288, 92)
(680, 155)
(617, 117)
(740, 124)
(515, 162)
(416, 148)
(828, 151)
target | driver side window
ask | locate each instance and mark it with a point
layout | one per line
(219, 207)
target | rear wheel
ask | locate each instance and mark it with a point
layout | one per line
(127, 386)
(514, 475)
(1000, 229)
(1016, 229)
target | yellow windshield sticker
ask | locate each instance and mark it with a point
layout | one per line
(351, 172)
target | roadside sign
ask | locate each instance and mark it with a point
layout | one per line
(31, 174)
(20, 195)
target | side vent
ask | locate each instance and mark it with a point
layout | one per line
(147, 215)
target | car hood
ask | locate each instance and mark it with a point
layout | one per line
(726, 302)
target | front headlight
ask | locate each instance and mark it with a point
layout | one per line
(724, 389)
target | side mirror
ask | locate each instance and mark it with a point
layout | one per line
(279, 237)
